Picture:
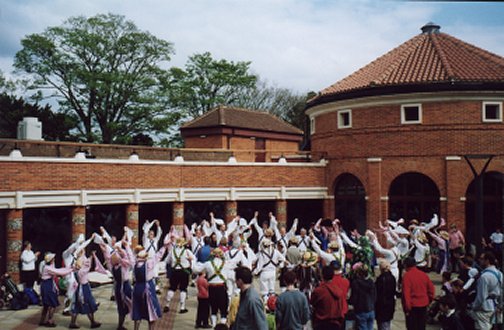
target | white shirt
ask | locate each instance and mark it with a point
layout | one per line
(28, 260)
(497, 238)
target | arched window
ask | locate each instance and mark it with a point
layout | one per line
(493, 185)
(413, 196)
(350, 202)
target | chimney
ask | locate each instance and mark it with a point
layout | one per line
(30, 128)
(430, 28)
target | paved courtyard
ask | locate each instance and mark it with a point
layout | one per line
(28, 319)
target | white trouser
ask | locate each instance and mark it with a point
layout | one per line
(267, 281)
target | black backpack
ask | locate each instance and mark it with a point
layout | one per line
(19, 301)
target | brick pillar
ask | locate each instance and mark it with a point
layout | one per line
(374, 193)
(231, 210)
(454, 211)
(78, 221)
(132, 221)
(281, 211)
(328, 212)
(178, 216)
(14, 242)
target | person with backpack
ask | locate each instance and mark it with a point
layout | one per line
(327, 303)
(488, 293)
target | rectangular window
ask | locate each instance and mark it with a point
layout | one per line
(345, 119)
(411, 114)
(492, 112)
(312, 125)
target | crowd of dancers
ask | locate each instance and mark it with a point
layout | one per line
(330, 267)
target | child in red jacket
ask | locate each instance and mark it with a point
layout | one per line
(203, 303)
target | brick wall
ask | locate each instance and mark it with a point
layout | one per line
(26, 176)
(209, 141)
(448, 128)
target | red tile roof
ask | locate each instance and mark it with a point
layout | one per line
(242, 118)
(431, 57)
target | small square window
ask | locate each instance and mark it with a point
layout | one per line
(492, 112)
(344, 118)
(411, 114)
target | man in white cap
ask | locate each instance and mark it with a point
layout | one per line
(180, 260)
(268, 260)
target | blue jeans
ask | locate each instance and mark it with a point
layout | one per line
(365, 320)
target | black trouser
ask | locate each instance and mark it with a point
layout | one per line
(179, 280)
(29, 277)
(218, 299)
(327, 325)
(417, 318)
(203, 311)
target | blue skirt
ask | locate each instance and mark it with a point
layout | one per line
(49, 293)
(144, 294)
(122, 307)
(86, 303)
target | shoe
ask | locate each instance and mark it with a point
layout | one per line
(166, 309)
(42, 324)
(95, 325)
(158, 291)
(206, 326)
(121, 328)
(74, 326)
(50, 325)
(67, 313)
(197, 326)
(183, 311)
(112, 298)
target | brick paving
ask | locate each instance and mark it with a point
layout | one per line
(28, 319)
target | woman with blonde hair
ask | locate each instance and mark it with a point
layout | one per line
(145, 302)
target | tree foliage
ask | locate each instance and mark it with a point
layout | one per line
(55, 126)
(103, 70)
(206, 83)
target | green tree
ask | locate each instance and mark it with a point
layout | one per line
(206, 83)
(104, 71)
(55, 126)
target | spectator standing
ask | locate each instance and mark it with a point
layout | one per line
(418, 292)
(385, 296)
(250, 313)
(327, 303)
(28, 259)
(292, 311)
(488, 291)
(363, 297)
(203, 312)
(456, 244)
(342, 283)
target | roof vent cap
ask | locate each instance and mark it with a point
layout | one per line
(430, 28)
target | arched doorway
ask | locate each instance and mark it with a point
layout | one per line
(493, 194)
(350, 202)
(413, 196)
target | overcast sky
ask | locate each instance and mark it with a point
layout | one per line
(298, 44)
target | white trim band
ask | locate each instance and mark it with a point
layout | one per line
(32, 199)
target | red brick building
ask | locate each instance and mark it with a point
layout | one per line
(397, 130)
(393, 134)
(251, 135)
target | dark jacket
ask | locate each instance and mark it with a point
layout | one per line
(385, 297)
(363, 295)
